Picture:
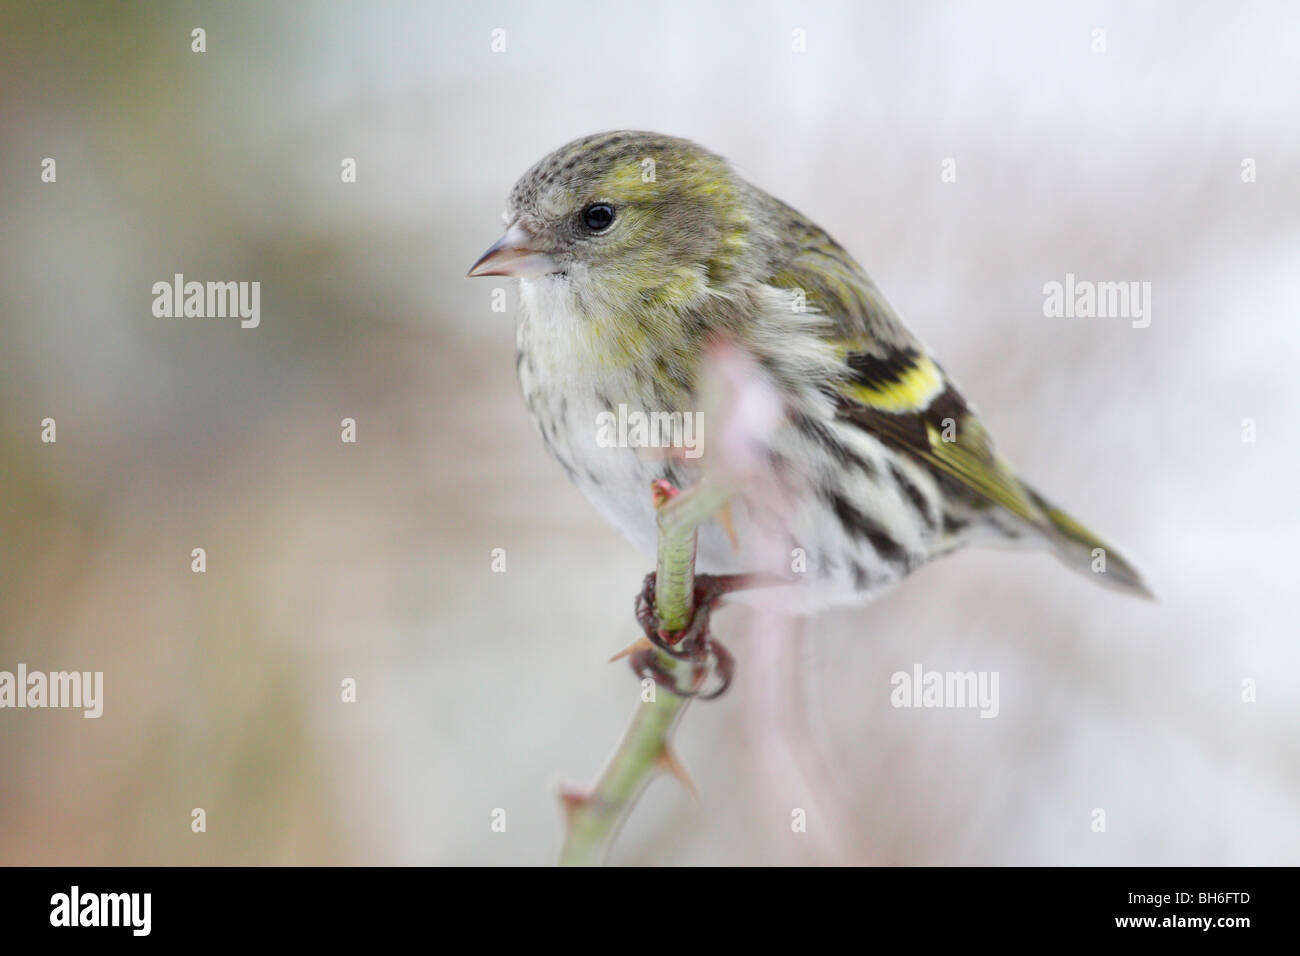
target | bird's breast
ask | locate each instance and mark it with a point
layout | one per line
(610, 425)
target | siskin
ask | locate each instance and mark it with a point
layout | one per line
(636, 250)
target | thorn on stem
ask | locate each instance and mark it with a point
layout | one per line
(572, 799)
(640, 644)
(724, 519)
(668, 762)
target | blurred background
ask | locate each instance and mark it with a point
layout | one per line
(372, 561)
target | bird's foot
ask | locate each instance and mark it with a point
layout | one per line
(711, 665)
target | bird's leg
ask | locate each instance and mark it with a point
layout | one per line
(648, 663)
(723, 666)
(695, 643)
(648, 618)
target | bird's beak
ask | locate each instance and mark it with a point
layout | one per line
(517, 254)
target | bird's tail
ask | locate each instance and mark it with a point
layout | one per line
(1080, 549)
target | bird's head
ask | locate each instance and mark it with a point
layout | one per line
(628, 220)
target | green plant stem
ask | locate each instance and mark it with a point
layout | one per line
(595, 818)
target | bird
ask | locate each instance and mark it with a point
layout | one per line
(636, 250)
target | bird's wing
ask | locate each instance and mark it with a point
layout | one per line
(904, 399)
(891, 387)
(895, 391)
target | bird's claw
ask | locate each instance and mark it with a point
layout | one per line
(694, 644)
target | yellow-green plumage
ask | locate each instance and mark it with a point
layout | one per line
(892, 465)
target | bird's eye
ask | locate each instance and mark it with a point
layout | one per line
(598, 216)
